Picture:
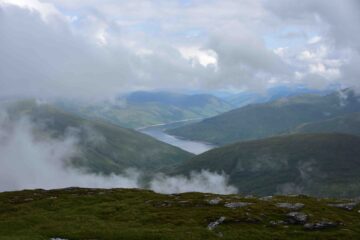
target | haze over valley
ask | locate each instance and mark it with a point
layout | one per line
(180, 119)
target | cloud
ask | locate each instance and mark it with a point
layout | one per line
(32, 159)
(28, 161)
(46, 10)
(338, 22)
(96, 49)
(53, 61)
(203, 181)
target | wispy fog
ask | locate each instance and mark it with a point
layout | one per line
(204, 181)
(30, 159)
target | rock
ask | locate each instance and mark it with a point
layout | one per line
(183, 202)
(28, 199)
(213, 225)
(249, 196)
(267, 198)
(347, 206)
(297, 218)
(278, 222)
(166, 204)
(237, 204)
(161, 204)
(291, 206)
(320, 225)
(214, 201)
(220, 234)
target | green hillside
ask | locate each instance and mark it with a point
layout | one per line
(314, 164)
(348, 123)
(269, 119)
(140, 214)
(105, 147)
(141, 109)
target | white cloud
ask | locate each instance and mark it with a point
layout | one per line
(204, 57)
(203, 181)
(97, 48)
(314, 40)
(46, 10)
(31, 160)
(336, 24)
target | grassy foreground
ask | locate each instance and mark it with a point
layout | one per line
(75, 213)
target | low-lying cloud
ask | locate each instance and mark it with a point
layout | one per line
(31, 160)
(204, 181)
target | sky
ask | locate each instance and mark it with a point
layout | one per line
(99, 48)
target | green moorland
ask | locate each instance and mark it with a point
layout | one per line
(325, 164)
(256, 121)
(103, 147)
(76, 214)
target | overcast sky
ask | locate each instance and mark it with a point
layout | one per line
(98, 48)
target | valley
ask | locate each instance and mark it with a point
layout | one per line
(179, 120)
(158, 132)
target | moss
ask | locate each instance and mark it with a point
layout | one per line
(140, 214)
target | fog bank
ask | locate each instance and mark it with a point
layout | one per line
(30, 159)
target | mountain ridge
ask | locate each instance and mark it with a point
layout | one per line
(257, 121)
(314, 164)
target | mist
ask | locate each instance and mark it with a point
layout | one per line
(203, 181)
(30, 160)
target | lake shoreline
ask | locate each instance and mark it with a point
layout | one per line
(157, 131)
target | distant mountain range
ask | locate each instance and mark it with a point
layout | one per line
(305, 144)
(271, 94)
(286, 115)
(314, 164)
(141, 109)
(105, 148)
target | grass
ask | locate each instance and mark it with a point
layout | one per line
(141, 214)
(324, 165)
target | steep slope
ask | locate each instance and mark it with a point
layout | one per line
(269, 119)
(138, 214)
(104, 147)
(348, 123)
(141, 109)
(316, 164)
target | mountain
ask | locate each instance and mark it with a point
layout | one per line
(135, 214)
(278, 117)
(141, 109)
(314, 164)
(274, 93)
(348, 123)
(104, 147)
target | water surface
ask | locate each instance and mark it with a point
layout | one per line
(195, 147)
